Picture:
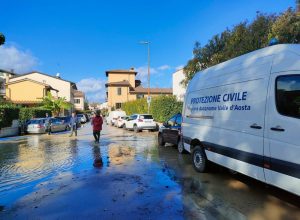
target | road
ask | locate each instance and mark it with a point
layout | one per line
(54, 177)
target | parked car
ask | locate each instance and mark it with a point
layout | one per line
(121, 121)
(56, 125)
(243, 114)
(140, 122)
(82, 118)
(40, 125)
(67, 120)
(170, 132)
(113, 116)
(36, 126)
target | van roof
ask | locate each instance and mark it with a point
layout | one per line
(281, 57)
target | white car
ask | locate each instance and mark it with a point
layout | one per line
(113, 116)
(140, 122)
(120, 122)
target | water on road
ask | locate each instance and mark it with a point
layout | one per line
(57, 176)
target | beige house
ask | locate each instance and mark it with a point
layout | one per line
(79, 99)
(65, 88)
(27, 91)
(123, 87)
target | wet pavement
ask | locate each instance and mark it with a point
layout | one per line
(127, 176)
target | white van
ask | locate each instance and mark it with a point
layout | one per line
(113, 116)
(244, 114)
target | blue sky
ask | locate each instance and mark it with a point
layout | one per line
(83, 39)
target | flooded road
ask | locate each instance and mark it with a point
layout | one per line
(127, 176)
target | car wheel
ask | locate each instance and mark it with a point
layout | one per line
(160, 140)
(199, 159)
(180, 146)
(135, 129)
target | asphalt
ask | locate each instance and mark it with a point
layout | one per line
(126, 176)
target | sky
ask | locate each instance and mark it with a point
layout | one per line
(83, 39)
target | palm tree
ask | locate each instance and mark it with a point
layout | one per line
(55, 105)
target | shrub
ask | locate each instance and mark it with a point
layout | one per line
(35, 112)
(162, 107)
(8, 113)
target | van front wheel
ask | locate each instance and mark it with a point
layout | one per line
(199, 159)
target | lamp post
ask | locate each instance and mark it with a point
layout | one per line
(148, 98)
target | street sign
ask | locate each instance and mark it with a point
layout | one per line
(149, 99)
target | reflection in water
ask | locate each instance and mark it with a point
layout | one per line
(33, 159)
(97, 157)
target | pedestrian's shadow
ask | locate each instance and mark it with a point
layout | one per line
(97, 157)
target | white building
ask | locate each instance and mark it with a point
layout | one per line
(79, 99)
(178, 88)
(4, 78)
(65, 88)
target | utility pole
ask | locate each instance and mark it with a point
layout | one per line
(148, 98)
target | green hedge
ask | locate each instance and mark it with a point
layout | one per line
(162, 107)
(8, 113)
(35, 112)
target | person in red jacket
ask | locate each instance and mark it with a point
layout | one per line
(97, 122)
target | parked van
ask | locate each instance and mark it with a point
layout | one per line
(244, 114)
(113, 116)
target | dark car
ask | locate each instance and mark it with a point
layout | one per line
(170, 132)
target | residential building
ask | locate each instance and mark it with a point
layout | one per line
(122, 86)
(178, 89)
(4, 78)
(27, 92)
(64, 88)
(79, 100)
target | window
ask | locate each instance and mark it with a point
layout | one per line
(178, 120)
(118, 105)
(146, 117)
(139, 96)
(288, 95)
(77, 101)
(119, 91)
(171, 121)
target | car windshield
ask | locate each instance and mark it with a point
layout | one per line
(79, 116)
(146, 117)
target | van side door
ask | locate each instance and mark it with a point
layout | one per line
(282, 163)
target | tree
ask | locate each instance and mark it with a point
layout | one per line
(243, 38)
(2, 39)
(55, 105)
(287, 28)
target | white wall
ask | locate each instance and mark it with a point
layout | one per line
(79, 106)
(178, 89)
(63, 87)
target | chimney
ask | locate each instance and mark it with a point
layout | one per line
(132, 69)
(58, 75)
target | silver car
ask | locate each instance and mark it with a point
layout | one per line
(41, 125)
(36, 126)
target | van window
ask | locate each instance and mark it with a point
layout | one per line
(288, 95)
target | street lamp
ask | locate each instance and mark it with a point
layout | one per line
(148, 98)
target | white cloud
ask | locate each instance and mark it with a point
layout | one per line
(143, 71)
(164, 67)
(93, 88)
(179, 67)
(18, 60)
